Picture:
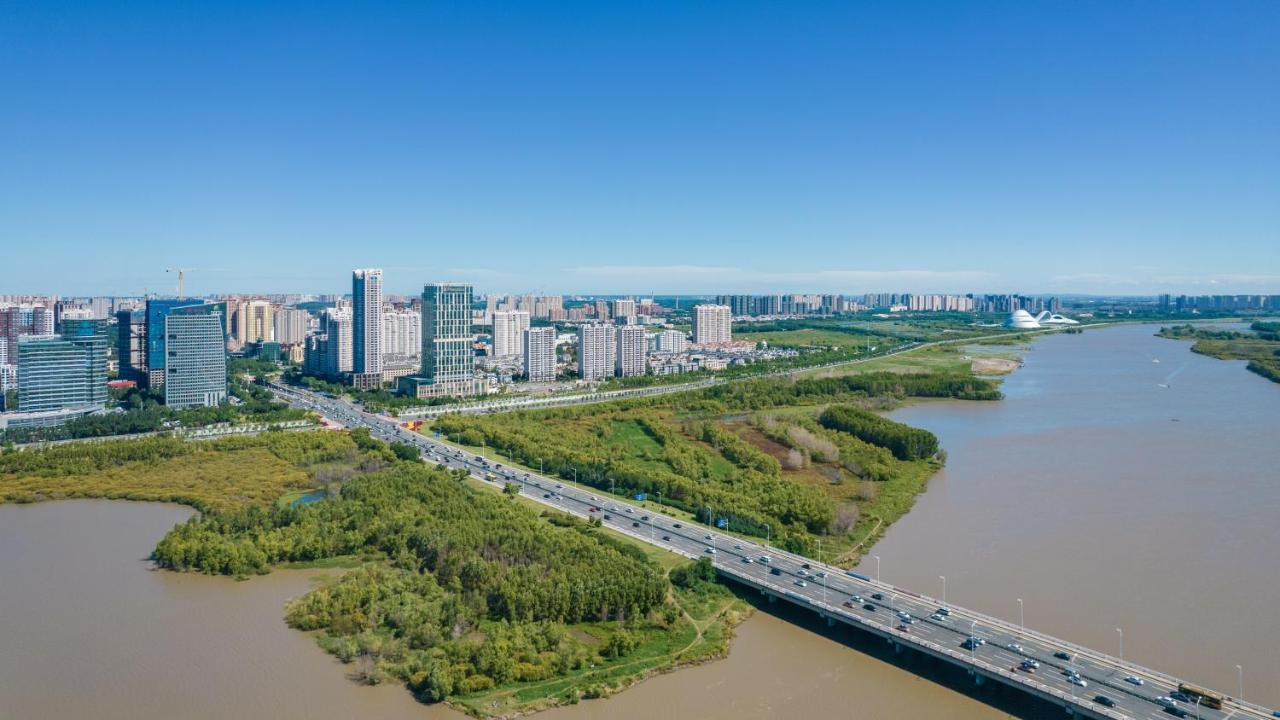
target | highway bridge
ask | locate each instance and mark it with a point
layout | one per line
(1083, 682)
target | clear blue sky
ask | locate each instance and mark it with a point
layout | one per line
(1116, 147)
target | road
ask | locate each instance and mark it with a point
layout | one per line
(912, 619)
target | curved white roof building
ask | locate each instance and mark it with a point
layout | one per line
(1021, 320)
(1055, 319)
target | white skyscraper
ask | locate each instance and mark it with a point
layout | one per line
(508, 332)
(595, 351)
(366, 321)
(712, 324)
(540, 354)
(631, 351)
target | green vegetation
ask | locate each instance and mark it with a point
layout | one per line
(1261, 348)
(778, 473)
(479, 601)
(209, 475)
(905, 442)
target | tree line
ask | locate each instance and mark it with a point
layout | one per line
(904, 441)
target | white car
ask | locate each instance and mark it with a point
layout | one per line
(711, 551)
(1077, 680)
(1135, 680)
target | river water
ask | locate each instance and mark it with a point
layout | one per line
(1078, 494)
(1106, 500)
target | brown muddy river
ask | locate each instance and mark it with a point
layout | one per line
(1078, 494)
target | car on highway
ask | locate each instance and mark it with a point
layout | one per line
(805, 566)
(766, 559)
(1062, 655)
(710, 551)
(877, 596)
(1077, 680)
(802, 572)
(775, 571)
(902, 627)
(1104, 701)
(1180, 696)
(635, 524)
(631, 510)
(937, 617)
(801, 583)
(869, 607)
(1028, 665)
(737, 546)
(607, 516)
(1015, 647)
(1135, 680)
(677, 526)
(707, 536)
(747, 559)
(856, 599)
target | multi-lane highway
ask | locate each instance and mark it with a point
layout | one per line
(1086, 682)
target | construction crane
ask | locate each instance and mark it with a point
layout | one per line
(182, 276)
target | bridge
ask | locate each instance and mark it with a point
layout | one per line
(1085, 683)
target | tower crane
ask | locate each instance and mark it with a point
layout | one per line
(182, 276)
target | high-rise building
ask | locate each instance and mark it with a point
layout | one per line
(59, 372)
(540, 354)
(624, 312)
(19, 320)
(595, 350)
(195, 367)
(131, 345)
(632, 348)
(712, 324)
(157, 310)
(670, 341)
(291, 325)
(252, 322)
(508, 332)
(336, 327)
(401, 334)
(366, 321)
(448, 361)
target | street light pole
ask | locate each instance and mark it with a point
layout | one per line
(877, 557)
(943, 578)
(1022, 620)
(1240, 678)
(1121, 632)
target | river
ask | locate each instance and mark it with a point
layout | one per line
(1109, 491)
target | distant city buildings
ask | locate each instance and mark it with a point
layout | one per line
(624, 312)
(712, 324)
(595, 351)
(539, 350)
(632, 348)
(508, 332)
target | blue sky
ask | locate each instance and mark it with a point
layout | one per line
(1075, 146)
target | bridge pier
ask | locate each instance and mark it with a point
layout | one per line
(979, 679)
(831, 622)
(772, 598)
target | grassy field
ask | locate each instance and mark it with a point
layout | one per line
(209, 475)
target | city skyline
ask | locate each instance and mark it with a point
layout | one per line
(709, 149)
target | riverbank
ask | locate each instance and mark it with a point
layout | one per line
(1260, 348)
